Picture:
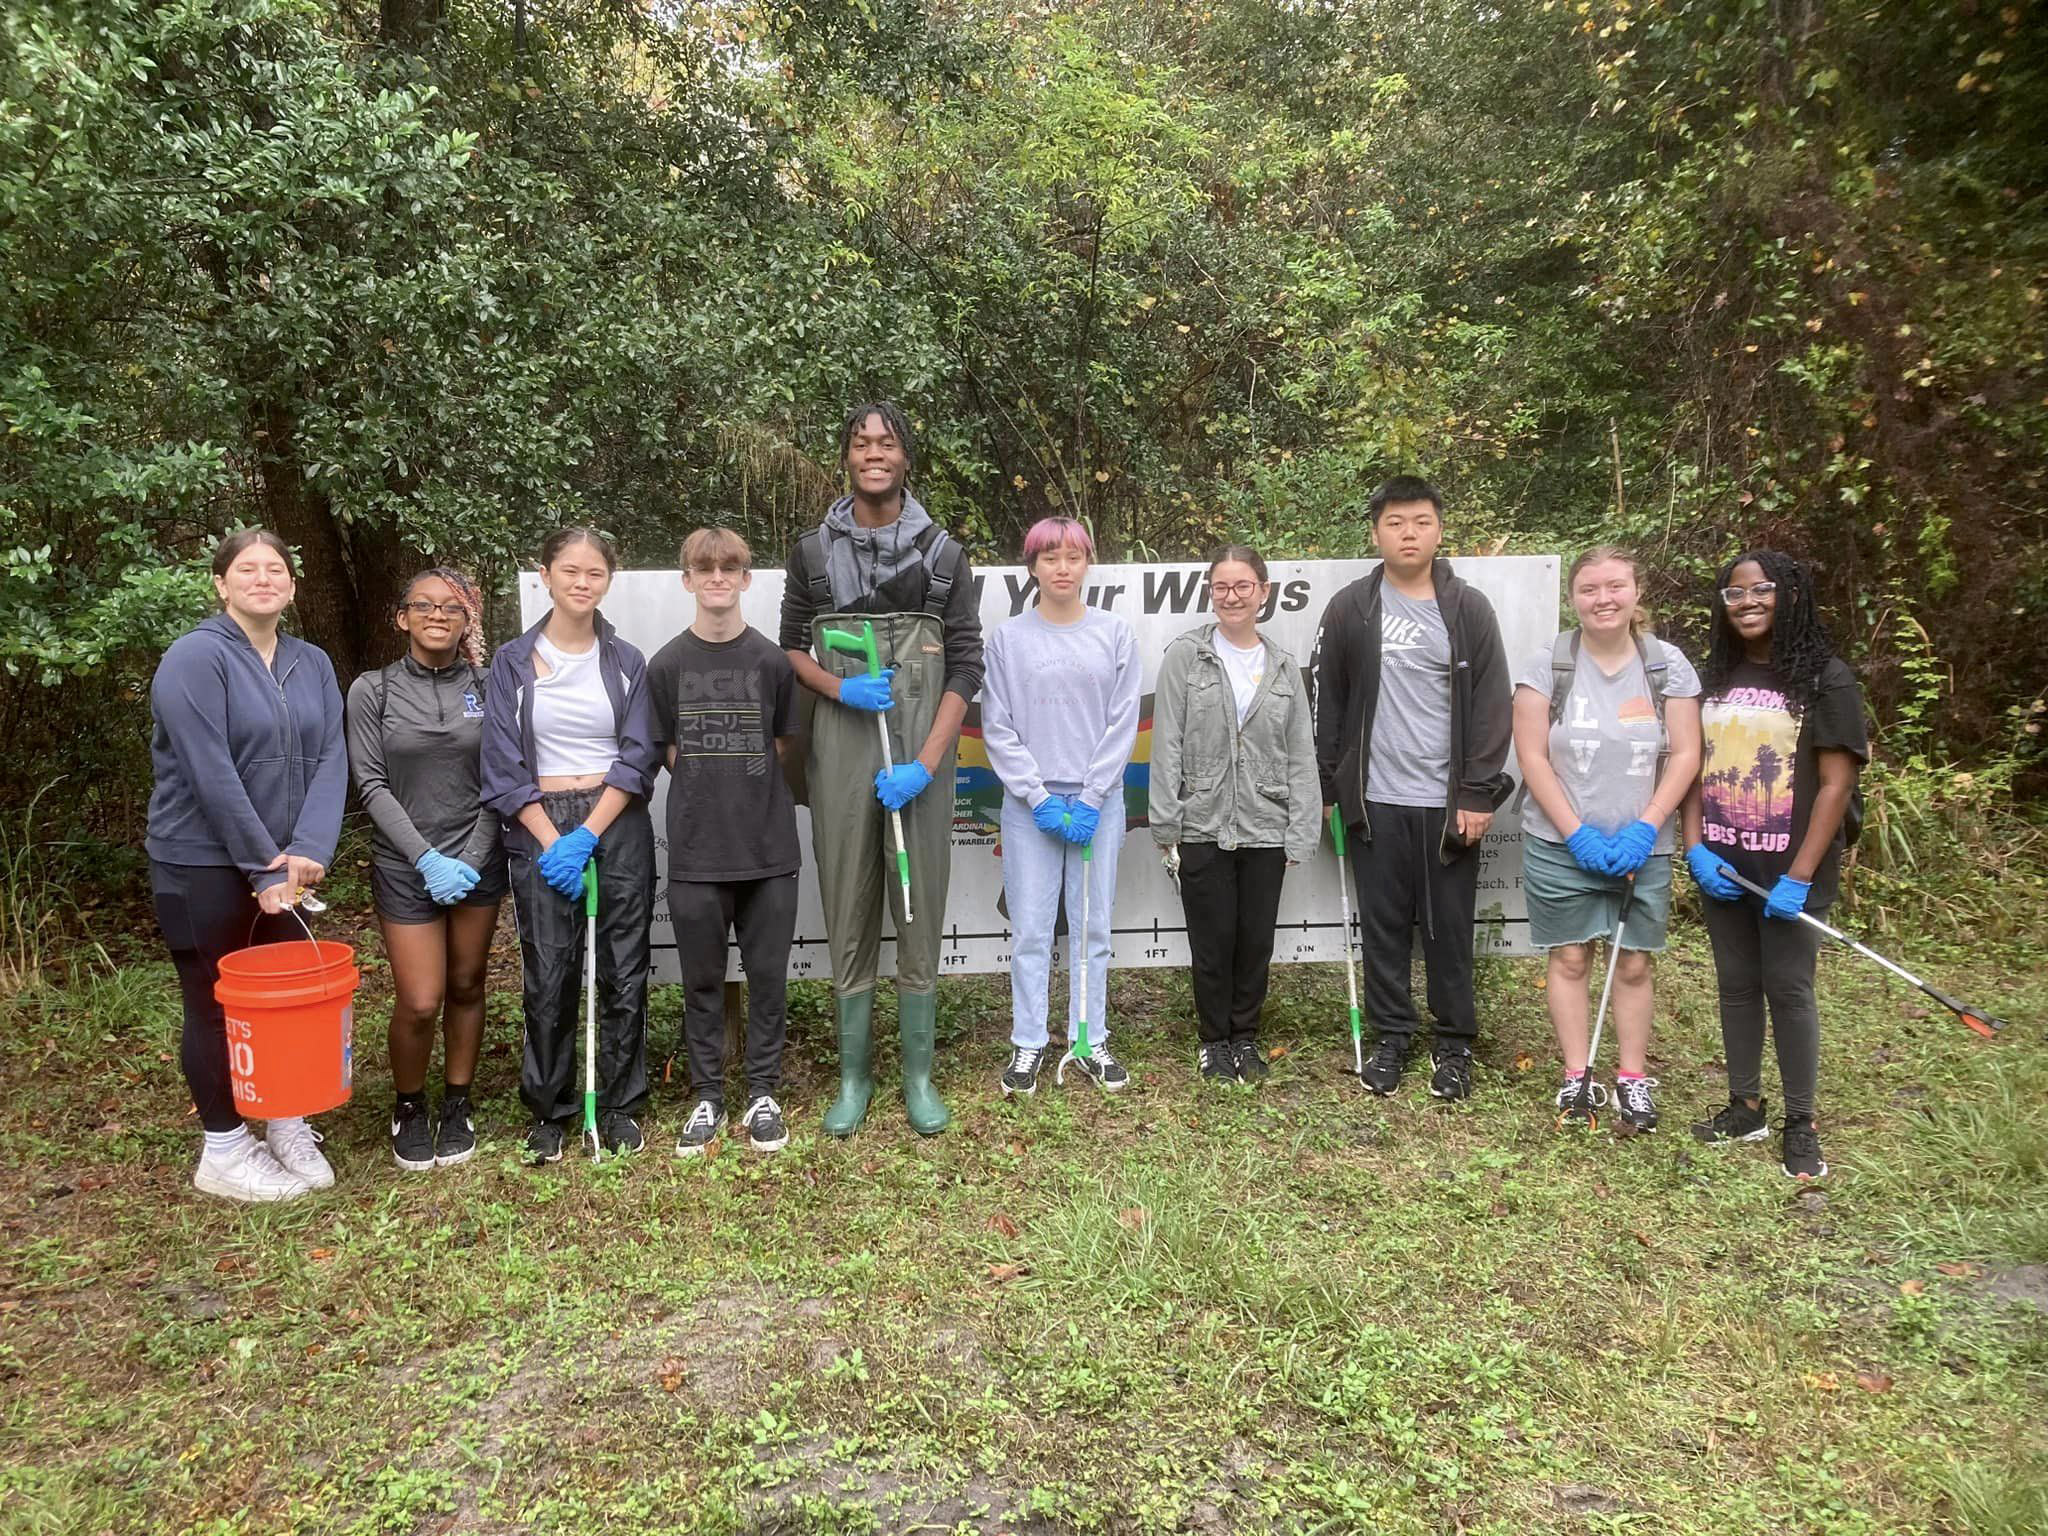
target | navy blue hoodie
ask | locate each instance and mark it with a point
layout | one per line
(509, 782)
(249, 759)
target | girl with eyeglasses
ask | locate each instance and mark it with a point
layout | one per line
(1234, 803)
(437, 863)
(1781, 717)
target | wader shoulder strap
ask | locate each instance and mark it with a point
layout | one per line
(942, 562)
(813, 546)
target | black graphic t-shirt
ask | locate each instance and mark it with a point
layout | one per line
(1762, 769)
(721, 704)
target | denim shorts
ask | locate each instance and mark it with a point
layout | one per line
(1567, 905)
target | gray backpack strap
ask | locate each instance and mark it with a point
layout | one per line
(813, 546)
(1564, 666)
(1655, 668)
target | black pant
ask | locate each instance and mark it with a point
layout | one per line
(1758, 959)
(762, 916)
(552, 937)
(206, 911)
(1403, 884)
(1232, 900)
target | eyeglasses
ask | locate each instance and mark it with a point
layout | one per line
(426, 610)
(1733, 595)
(1233, 588)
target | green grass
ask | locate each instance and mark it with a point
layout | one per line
(1294, 1309)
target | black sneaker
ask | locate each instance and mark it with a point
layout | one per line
(1099, 1067)
(1735, 1121)
(1567, 1098)
(706, 1120)
(412, 1136)
(620, 1133)
(544, 1142)
(1217, 1061)
(1021, 1076)
(1802, 1150)
(764, 1127)
(1452, 1077)
(1383, 1068)
(455, 1136)
(1633, 1104)
(1251, 1062)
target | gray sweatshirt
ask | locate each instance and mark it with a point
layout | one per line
(1060, 705)
(413, 737)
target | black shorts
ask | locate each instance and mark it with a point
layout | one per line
(401, 894)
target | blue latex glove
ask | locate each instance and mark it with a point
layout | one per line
(561, 864)
(1630, 847)
(1788, 899)
(1082, 820)
(1050, 815)
(897, 787)
(448, 880)
(865, 692)
(1588, 850)
(1710, 874)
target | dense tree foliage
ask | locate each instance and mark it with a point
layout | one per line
(424, 281)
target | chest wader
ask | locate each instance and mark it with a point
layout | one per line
(856, 855)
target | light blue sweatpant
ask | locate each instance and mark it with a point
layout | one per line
(1035, 864)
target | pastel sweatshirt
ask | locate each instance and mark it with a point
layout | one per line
(1060, 705)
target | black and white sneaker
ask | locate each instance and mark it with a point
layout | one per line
(1383, 1068)
(620, 1133)
(1100, 1068)
(1251, 1062)
(1452, 1077)
(1735, 1121)
(764, 1127)
(1567, 1098)
(1633, 1104)
(544, 1142)
(455, 1135)
(412, 1136)
(706, 1120)
(1802, 1150)
(1021, 1076)
(1217, 1061)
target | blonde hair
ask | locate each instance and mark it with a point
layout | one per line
(709, 547)
(1639, 621)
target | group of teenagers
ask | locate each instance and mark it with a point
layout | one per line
(521, 772)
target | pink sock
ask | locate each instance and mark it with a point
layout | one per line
(1626, 1077)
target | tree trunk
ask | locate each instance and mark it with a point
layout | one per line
(411, 24)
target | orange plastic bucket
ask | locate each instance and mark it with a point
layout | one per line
(291, 1026)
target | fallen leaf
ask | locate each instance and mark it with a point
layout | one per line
(1133, 1217)
(315, 1349)
(1958, 1271)
(227, 1266)
(1641, 1237)
(1873, 1381)
(1002, 1272)
(320, 1254)
(1276, 1053)
(1498, 1208)
(671, 1374)
(1003, 1224)
(1824, 1381)
(1015, 1149)
(1524, 1061)
(1912, 1287)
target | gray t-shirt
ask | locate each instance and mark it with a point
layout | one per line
(1411, 727)
(1604, 748)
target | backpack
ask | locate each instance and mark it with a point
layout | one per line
(942, 563)
(1564, 667)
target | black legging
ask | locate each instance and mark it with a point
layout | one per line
(1759, 960)
(206, 911)
(1232, 900)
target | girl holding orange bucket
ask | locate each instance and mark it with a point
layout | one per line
(568, 760)
(437, 869)
(250, 778)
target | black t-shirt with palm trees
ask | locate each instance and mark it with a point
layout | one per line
(1761, 769)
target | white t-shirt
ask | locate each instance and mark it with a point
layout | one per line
(1246, 669)
(575, 730)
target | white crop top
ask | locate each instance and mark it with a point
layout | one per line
(575, 732)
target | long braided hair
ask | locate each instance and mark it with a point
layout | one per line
(472, 642)
(1800, 644)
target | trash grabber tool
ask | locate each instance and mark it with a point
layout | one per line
(590, 1012)
(1350, 965)
(1583, 1106)
(1078, 1049)
(1982, 1022)
(863, 645)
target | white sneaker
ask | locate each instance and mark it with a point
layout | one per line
(297, 1145)
(247, 1173)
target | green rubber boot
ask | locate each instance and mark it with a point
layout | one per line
(917, 1030)
(856, 1064)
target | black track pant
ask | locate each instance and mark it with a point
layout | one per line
(205, 911)
(1759, 960)
(762, 917)
(1403, 884)
(1232, 900)
(552, 937)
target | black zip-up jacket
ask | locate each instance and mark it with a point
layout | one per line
(1346, 668)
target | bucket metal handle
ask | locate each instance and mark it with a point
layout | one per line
(306, 900)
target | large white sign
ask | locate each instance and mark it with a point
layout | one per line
(1161, 601)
